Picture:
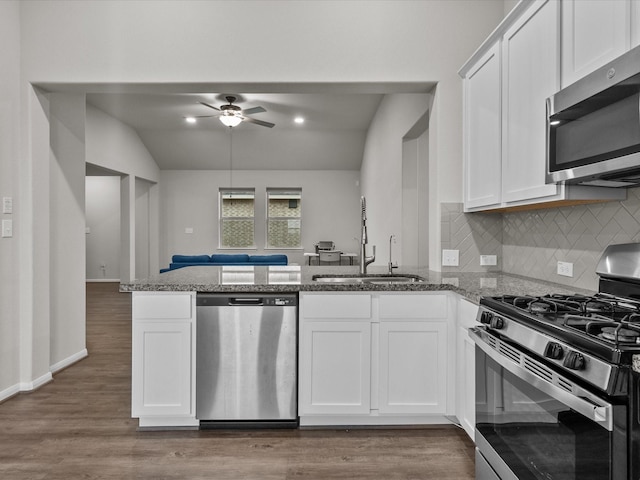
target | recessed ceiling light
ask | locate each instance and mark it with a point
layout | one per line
(190, 120)
(298, 120)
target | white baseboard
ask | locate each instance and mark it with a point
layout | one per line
(25, 386)
(44, 379)
(9, 392)
(56, 367)
(37, 383)
(97, 280)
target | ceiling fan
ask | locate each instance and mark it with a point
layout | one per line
(231, 115)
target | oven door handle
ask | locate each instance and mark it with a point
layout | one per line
(579, 399)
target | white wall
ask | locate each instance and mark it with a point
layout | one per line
(415, 201)
(70, 45)
(67, 230)
(382, 166)
(102, 209)
(9, 153)
(114, 146)
(142, 228)
(330, 209)
(508, 6)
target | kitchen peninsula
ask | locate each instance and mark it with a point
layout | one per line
(378, 353)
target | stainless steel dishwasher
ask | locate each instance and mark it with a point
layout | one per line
(246, 360)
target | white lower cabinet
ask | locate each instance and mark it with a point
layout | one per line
(385, 362)
(466, 367)
(335, 368)
(413, 367)
(163, 359)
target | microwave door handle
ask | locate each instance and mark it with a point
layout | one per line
(579, 400)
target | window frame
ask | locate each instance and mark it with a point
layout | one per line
(222, 191)
(282, 191)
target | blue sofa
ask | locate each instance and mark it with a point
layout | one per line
(218, 259)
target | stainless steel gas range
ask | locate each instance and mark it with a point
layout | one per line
(558, 380)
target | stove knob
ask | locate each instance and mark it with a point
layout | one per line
(574, 361)
(496, 323)
(553, 350)
(485, 317)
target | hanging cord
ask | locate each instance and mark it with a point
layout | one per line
(230, 157)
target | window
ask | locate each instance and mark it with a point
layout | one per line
(284, 215)
(237, 224)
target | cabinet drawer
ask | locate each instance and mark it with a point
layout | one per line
(336, 306)
(413, 306)
(160, 306)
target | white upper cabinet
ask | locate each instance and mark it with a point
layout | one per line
(506, 83)
(530, 55)
(594, 32)
(482, 183)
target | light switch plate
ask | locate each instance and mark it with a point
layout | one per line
(450, 258)
(7, 205)
(7, 228)
(188, 230)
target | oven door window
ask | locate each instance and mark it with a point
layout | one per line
(537, 436)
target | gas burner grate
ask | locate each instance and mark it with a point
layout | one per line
(559, 306)
(619, 333)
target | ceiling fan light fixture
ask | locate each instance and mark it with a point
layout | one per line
(230, 120)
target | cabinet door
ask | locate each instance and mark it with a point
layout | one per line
(593, 33)
(530, 55)
(465, 368)
(483, 162)
(161, 368)
(335, 367)
(413, 367)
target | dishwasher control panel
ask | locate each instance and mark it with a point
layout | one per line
(246, 300)
(280, 301)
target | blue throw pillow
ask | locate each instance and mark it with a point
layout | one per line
(190, 258)
(229, 258)
(269, 259)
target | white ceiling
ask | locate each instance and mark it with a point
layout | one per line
(331, 138)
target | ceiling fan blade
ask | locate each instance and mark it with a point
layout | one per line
(210, 106)
(204, 116)
(258, 122)
(251, 111)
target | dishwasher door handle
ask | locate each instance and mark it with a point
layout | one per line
(246, 301)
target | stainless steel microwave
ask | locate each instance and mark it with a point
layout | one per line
(593, 127)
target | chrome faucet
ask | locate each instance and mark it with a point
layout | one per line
(364, 260)
(392, 239)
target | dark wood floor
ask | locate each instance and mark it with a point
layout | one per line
(79, 427)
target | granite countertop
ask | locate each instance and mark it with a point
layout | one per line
(292, 278)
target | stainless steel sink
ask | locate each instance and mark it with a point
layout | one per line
(367, 278)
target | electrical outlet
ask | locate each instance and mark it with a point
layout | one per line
(565, 269)
(487, 260)
(188, 230)
(450, 258)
